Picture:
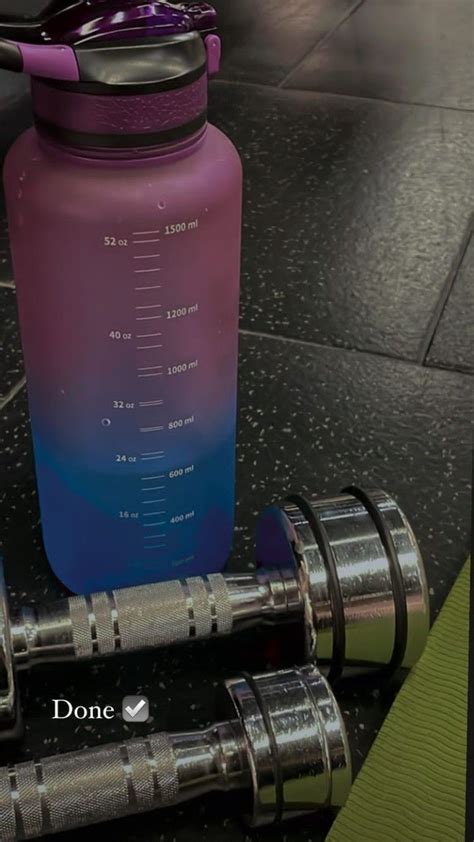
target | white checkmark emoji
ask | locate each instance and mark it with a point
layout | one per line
(136, 710)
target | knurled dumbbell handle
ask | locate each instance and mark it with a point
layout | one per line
(150, 616)
(374, 613)
(86, 787)
(282, 738)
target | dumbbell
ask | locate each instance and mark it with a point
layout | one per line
(348, 567)
(282, 737)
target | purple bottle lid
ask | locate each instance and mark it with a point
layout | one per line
(92, 62)
(79, 21)
(120, 43)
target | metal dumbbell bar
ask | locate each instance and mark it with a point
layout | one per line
(283, 738)
(347, 566)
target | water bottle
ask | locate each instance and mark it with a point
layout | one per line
(124, 211)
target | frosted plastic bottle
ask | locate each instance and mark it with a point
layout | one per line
(124, 211)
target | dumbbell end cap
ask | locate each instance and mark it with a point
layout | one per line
(10, 727)
(296, 743)
(361, 578)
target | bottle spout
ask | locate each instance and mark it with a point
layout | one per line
(52, 61)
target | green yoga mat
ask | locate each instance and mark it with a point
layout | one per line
(412, 787)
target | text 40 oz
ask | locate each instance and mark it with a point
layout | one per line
(119, 334)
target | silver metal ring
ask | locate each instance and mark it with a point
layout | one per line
(297, 745)
(285, 537)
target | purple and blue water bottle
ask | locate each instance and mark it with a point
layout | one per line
(124, 210)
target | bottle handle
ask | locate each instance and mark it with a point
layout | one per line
(53, 61)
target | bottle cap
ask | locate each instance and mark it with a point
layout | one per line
(123, 48)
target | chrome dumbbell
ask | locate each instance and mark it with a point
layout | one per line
(347, 566)
(283, 737)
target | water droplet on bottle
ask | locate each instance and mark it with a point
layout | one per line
(161, 205)
(106, 422)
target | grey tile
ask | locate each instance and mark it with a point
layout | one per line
(15, 117)
(354, 211)
(263, 41)
(15, 108)
(453, 346)
(410, 51)
(11, 358)
(6, 270)
(23, 10)
(315, 419)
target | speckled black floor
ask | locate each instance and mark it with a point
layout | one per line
(355, 349)
(409, 51)
(355, 212)
(452, 343)
(263, 41)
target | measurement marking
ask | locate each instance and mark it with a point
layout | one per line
(147, 318)
(147, 306)
(149, 525)
(155, 547)
(139, 242)
(152, 374)
(151, 458)
(148, 347)
(139, 289)
(153, 488)
(149, 367)
(144, 271)
(151, 429)
(145, 479)
(151, 403)
(150, 537)
(145, 256)
(151, 452)
(144, 233)
(153, 514)
(146, 335)
(149, 502)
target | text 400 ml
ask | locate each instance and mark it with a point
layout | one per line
(182, 517)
